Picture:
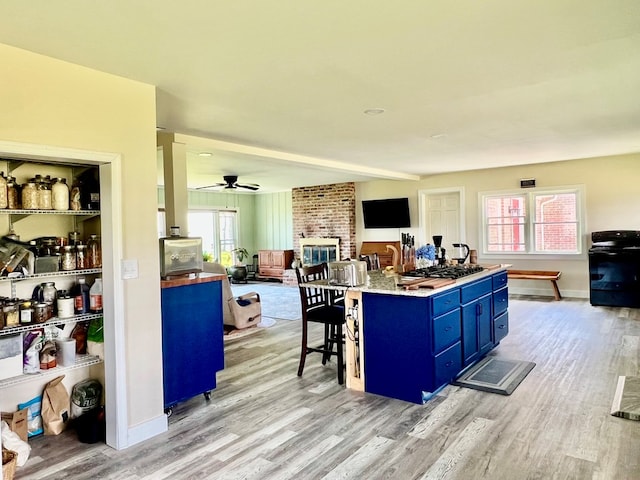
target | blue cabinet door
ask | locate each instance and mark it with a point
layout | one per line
(470, 344)
(485, 324)
(192, 344)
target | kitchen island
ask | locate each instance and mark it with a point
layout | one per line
(408, 344)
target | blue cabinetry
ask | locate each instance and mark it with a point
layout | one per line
(192, 340)
(500, 304)
(477, 326)
(415, 345)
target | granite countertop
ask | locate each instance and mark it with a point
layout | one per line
(380, 282)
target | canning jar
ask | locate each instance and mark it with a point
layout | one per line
(49, 292)
(10, 310)
(60, 194)
(41, 312)
(93, 252)
(82, 261)
(74, 195)
(3, 191)
(13, 197)
(68, 260)
(29, 196)
(26, 313)
(44, 195)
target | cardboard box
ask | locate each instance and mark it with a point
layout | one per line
(10, 356)
(17, 422)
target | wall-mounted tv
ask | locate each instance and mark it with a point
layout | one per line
(387, 213)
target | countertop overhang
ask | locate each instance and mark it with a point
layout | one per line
(381, 282)
(192, 279)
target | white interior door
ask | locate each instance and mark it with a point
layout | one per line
(442, 217)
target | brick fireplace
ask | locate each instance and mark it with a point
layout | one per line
(325, 212)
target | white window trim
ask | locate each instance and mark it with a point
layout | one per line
(529, 193)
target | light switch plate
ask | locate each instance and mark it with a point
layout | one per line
(129, 269)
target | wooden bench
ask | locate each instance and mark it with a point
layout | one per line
(538, 275)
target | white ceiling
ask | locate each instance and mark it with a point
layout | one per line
(464, 84)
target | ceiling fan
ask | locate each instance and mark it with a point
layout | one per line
(231, 182)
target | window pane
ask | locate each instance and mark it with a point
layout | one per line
(227, 221)
(557, 237)
(506, 238)
(556, 227)
(505, 218)
(556, 208)
(201, 224)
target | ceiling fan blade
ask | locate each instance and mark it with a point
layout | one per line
(248, 186)
(211, 186)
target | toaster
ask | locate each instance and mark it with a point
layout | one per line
(348, 274)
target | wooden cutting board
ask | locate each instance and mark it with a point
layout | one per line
(432, 283)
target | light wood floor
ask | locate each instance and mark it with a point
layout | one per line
(263, 422)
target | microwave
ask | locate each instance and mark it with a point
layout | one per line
(180, 255)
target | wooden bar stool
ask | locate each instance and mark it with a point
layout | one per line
(325, 307)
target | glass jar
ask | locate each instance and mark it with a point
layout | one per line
(68, 260)
(93, 252)
(49, 292)
(3, 191)
(29, 196)
(41, 312)
(74, 195)
(60, 194)
(44, 195)
(13, 194)
(82, 261)
(26, 313)
(10, 310)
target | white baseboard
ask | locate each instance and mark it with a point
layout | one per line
(147, 430)
(548, 292)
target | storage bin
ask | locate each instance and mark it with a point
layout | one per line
(10, 356)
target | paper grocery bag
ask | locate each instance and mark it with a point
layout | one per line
(55, 407)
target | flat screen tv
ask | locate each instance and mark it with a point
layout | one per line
(387, 213)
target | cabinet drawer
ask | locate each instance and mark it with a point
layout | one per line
(471, 291)
(271, 272)
(499, 280)
(500, 301)
(446, 330)
(448, 364)
(500, 327)
(444, 302)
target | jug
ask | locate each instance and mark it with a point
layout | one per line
(461, 252)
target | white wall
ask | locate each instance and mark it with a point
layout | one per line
(612, 190)
(49, 102)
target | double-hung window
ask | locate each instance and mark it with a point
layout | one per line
(538, 221)
(218, 229)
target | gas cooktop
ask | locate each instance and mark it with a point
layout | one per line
(448, 271)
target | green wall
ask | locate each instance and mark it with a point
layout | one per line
(265, 219)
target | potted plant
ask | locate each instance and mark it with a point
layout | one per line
(241, 253)
(238, 272)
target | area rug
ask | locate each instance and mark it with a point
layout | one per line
(495, 375)
(278, 301)
(626, 400)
